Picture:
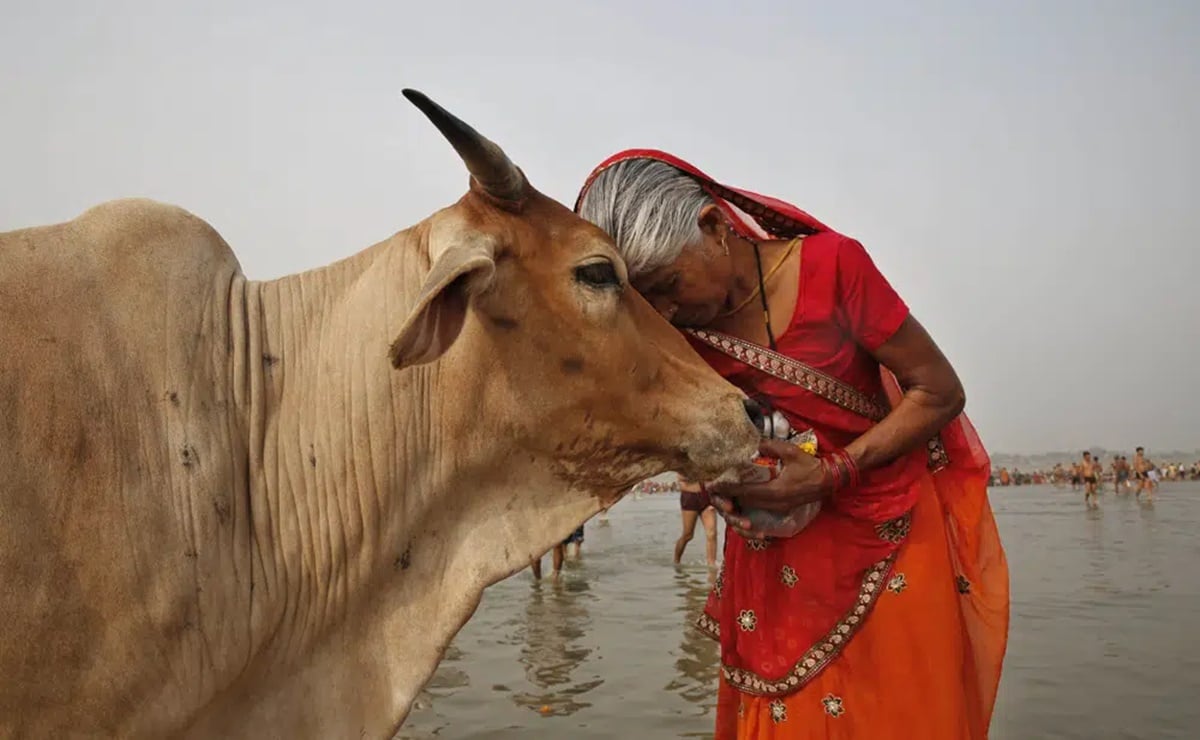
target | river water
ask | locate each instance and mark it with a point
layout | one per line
(1105, 611)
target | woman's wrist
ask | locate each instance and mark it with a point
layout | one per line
(859, 455)
(839, 470)
(849, 466)
(828, 474)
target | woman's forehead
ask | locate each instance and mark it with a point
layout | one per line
(665, 272)
(651, 277)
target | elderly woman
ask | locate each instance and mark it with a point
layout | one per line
(885, 614)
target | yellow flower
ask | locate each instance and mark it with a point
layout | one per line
(807, 442)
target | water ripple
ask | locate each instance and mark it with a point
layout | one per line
(1105, 608)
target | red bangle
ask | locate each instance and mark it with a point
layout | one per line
(833, 470)
(847, 474)
(839, 453)
(853, 474)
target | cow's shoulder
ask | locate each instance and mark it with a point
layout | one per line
(137, 289)
(117, 242)
(142, 230)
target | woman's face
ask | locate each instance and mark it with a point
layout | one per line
(695, 289)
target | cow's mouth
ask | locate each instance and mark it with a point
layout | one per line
(722, 461)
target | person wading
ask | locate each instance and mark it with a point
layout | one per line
(694, 504)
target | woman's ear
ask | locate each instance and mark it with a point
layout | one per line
(712, 222)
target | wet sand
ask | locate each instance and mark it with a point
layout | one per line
(1105, 614)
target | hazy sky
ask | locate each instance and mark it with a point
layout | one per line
(1024, 172)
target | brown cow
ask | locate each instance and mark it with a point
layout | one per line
(262, 509)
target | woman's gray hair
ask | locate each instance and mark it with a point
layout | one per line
(649, 208)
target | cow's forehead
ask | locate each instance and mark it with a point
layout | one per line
(543, 229)
(567, 228)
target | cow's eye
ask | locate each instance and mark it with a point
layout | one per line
(598, 275)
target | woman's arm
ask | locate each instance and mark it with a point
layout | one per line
(933, 397)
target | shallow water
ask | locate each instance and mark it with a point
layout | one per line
(1105, 610)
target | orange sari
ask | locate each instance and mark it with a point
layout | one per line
(925, 665)
(887, 616)
(916, 652)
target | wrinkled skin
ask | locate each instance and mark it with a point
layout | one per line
(242, 509)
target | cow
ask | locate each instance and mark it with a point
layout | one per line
(232, 508)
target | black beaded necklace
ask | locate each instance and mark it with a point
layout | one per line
(762, 293)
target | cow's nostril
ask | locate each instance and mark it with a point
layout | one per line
(754, 411)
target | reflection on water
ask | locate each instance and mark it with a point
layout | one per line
(1105, 610)
(696, 662)
(450, 675)
(556, 626)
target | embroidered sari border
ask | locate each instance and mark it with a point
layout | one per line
(795, 372)
(814, 381)
(822, 653)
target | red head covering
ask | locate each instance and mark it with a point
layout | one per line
(752, 216)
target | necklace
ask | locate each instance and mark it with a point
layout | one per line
(762, 281)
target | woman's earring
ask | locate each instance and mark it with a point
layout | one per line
(724, 245)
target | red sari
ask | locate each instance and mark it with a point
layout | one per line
(887, 616)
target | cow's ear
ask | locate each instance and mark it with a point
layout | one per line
(438, 315)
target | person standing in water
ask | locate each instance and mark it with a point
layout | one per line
(1089, 472)
(1147, 476)
(1120, 473)
(559, 554)
(885, 615)
(694, 504)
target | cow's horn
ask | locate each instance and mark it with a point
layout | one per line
(486, 162)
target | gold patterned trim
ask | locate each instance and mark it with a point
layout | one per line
(812, 380)
(793, 371)
(819, 655)
(768, 219)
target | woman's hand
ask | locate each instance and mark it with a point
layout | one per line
(762, 524)
(802, 481)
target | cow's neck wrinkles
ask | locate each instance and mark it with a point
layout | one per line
(382, 504)
(336, 437)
